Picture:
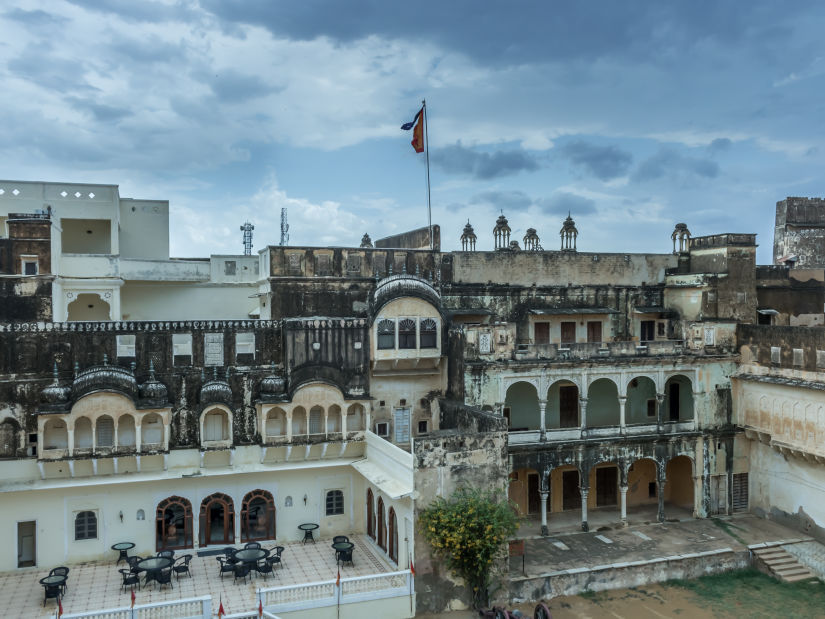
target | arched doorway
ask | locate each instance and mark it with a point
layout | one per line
(602, 404)
(217, 520)
(393, 536)
(370, 514)
(257, 516)
(642, 490)
(678, 404)
(562, 405)
(521, 406)
(641, 405)
(88, 306)
(173, 524)
(382, 525)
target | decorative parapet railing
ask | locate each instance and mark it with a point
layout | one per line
(190, 608)
(327, 593)
(596, 350)
(555, 435)
(131, 326)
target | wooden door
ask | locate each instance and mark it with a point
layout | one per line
(568, 333)
(26, 546)
(607, 480)
(533, 496)
(673, 404)
(594, 332)
(571, 494)
(217, 521)
(647, 330)
(542, 332)
(569, 406)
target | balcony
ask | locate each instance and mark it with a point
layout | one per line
(559, 435)
(89, 265)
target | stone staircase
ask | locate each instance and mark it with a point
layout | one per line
(782, 564)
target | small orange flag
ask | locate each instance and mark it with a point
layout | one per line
(133, 597)
(412, 567)
(59, 608)
(260, 608)
(338, 580)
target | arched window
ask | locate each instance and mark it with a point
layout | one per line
(82, 433)
(8, 439)
(85, 525)
(335, 503)
(217, 520)
(141, 515)
(382, 525)
(105, 431)
(429, 331)
(393, 536)
(406, 333)
(173, 524)
(257, 516)
(216, 426)
(370, 514)
(386, 334)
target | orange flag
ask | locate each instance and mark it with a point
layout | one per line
(133, 597)
(412, 567)
(260, 609)
(418, 135)
(221, 611)
(338, 580)
(59, 608)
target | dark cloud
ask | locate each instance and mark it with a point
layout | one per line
(456, 159)
(496, 33)
(100, 111)
(603, 162)
(37, 18)
(720, 145)
(231, 86)
(508, 200)
(562, 202)
(669, 162)
(149, 49)
(146, 11)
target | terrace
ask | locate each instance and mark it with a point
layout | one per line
(305, 580)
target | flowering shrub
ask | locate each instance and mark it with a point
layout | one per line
(468, 532)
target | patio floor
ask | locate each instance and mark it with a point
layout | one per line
(96, 586)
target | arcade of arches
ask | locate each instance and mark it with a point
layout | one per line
(622, 487)
(606, 404)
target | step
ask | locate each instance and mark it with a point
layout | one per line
(764, 552)
(780, 561)
(797, 577)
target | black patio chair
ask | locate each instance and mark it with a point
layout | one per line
(164, 577)
(169, 554)
(229, 551)
(181, 566)
(340, 538)
(345, 556)
(133, 563)
(241, 571)
(61, 571)
(130, 578)
(252, 545)
(226, 565)
(278, 553)
(264, 567)
(51, 591)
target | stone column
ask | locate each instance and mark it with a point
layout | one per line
(542, 425)
(698, 494)
(583, 412)
(544, 529)
(623, 491)
(622, 421)
(138, 425)
(69, 437)
(660, 400)
(660, 494)
(584, 492)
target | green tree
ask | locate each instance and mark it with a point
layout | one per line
(468, 531)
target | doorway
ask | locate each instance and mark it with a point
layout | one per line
(217, 520)
(568, 333)
(533, 496)
(673, 404)
(26, 546)
(571, 493)
(607, 480)
(569, 406)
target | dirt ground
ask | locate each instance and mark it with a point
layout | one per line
(727, 596)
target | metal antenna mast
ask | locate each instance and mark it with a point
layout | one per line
(247, 229)
(284, 227)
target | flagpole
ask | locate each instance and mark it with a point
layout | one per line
(427, 156)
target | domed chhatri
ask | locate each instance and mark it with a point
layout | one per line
(54, 393)
(153, 389)
(468, 238)
(568, 234)
(501, 233)
(531, 240)
(681, 235)
(215, 390)
(366, 241)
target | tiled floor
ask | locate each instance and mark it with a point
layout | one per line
(93, 586)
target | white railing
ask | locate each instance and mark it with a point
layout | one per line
(325, 593)
(190, 608)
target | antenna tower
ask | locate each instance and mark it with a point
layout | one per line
(247, 229)
(284, 227)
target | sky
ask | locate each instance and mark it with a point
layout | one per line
(631, 116)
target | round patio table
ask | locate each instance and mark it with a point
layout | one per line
(250, 555)
(308, 528)
(153, 565)
(56, 579)
(123, 548)
(342, 547)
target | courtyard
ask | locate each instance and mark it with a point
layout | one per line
(95, 586)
